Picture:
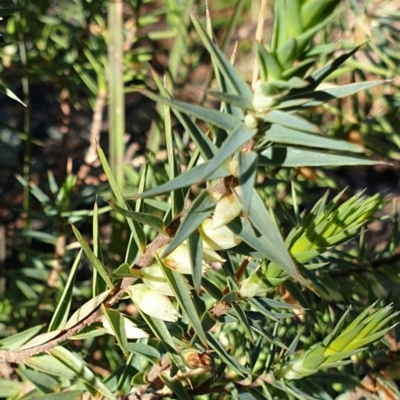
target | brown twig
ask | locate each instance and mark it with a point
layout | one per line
(15, 356)
(119, 290)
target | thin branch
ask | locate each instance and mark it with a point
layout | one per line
(15, 356)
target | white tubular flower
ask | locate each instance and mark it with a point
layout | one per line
(152, 303)
(131, 329)
(228, 207)
(154, 278)
(179, 261)
(264, 97)
(217, 239)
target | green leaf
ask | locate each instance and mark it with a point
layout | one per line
(15, 341)
(270, 70)
(40, 339)
(11, 389)
(144, 218)
(224, 66)
(238, 138)
(232, 99)
(203, 142)
(49, 365)
(86, 309)
(160, 330)
(42, 197)
(242, 318)
(179, 286)
(290, 121)
(98, 284)
(149, 352)
(323, 95)
(80, 370)
(101, 269)
(225, 356)
(280, 134)
(256, 394)
(191, 177)
(217, 118)
(176, 387)
(136, 229)
(61, 312)
(122, 271)
(199, 210)
(195, 247)
(40, 236)
(45, 383)
(68, 395)
(296, 157)
(278, 253)
(9, 93)
(319, 75)
(338, 92)
(117, 325)
(247, 168)
(313, 10)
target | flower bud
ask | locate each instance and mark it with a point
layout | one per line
(264, 98)
(153, 278)
(193, 358)
(179, 261)
(217, 239)
(152, 303)
(228, 207)
(250, 121)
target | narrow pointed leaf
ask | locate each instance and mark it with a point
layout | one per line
(195, 247)
(61, 312)
(233, 100)
(75, 364)
(96, 263)
(238, 138)
(318, 76)
(67, 395)
(224, 66)
(290, 121)
(247, 167)
(86, 309)
(214, 117)
(203, 142)
(200, 209)
(178, 285)
(135, 228)
(241, 316)
(160, 330)
(261, 219)
(116, 321)
(176, 387)
(296, 157)
(45, 363)
(144, 218)
(145, 350)
(17, 340)
(40, 339)
(345, 90)
(98, 284)
(225, 356)
(280, 134)
(191, 177)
